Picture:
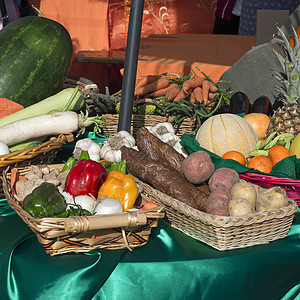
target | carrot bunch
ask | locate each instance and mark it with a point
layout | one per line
(192, 88)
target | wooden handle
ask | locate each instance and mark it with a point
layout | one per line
(76, 224)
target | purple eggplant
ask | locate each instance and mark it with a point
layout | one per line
(239, 103)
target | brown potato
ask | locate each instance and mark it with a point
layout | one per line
(244, 189)
(240, 206)
(274, 197)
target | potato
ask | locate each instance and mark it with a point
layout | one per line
(218, 200)
(225, 176)
(244, 189)
(239, 207)
(258, 189)
(274, 197)
(198, 167)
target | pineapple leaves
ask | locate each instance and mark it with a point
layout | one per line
(281, 60)
(288, 46)
(296, 46)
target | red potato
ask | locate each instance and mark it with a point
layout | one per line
(218, 201)
(224, 176)
(198, 167)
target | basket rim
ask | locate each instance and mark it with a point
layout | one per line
(59, 223)
(273, 179)
(25, 154)
(224, 221)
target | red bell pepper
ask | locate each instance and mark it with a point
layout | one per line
(85, 177)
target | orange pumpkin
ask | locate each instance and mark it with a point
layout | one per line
(259, 123)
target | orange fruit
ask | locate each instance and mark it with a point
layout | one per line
(235, 155)
(277, 153)
(261, 163)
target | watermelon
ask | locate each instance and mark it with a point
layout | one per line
(35, 59)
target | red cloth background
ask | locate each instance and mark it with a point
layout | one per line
(161, 17)
(103, 25)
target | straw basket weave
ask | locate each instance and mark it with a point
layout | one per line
(139, 121)
(226, 233)
(41, 154)
(86, 233)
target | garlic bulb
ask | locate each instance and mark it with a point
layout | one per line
(166, 133)
(180, 149)
(88, 145)
(164, 127)
(111, 148)
(170, 138)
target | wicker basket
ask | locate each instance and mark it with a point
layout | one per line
(139, 121)
(226, 233)
(86, 233)
(41, 154)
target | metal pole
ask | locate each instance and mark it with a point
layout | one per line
(130, 65)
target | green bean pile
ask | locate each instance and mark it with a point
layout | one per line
(196, 111)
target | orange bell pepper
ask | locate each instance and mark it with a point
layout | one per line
(120, 187)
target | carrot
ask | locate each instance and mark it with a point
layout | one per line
(162, 92)
(148, 205)
(143, 80)
(182, 94)
(153, 86)
(192, 97)
(172, 93)
(198, 94)
(192, 83)
(205, 91)
(211, 95)
(212, 87)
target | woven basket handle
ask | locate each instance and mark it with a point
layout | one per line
(76, 224)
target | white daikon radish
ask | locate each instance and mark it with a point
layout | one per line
(47, 125)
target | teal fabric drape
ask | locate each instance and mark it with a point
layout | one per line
(171, 265)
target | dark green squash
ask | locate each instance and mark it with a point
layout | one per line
(35, 59)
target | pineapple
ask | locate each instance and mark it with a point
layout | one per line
(286, 119)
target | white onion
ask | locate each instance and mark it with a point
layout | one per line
(108, 206)
(85, 201)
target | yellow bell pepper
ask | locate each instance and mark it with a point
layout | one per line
(120, 187)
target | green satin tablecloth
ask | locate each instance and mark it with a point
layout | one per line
(171, 266)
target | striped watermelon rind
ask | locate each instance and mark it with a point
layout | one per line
(35, 59)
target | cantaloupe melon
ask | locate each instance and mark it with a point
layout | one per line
(226, 132)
